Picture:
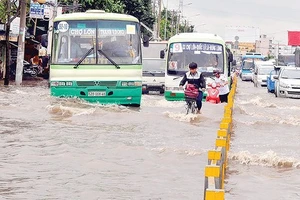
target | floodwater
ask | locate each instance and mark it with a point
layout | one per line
(265, 153)
(69, 149)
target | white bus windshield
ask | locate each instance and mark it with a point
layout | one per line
(208, 56)
(119, 40)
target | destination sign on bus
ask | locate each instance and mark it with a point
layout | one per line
(86, 31)
(112, 32)
(179, 47)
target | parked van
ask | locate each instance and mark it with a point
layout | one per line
(261, 71)
(153, 68)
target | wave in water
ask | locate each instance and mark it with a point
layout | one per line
(258, 101)
(149, 101)
(269, 159)
(77, 108)
(188, 152)
(65, 111)
(266, 119)
(182, 116)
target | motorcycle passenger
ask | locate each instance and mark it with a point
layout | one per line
(196, 78)
(224, 88)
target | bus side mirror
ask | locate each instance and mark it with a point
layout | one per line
(162, 54)
(146, 41)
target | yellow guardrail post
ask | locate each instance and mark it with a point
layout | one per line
(217, 158)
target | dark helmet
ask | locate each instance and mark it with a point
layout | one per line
(215, 72)
(193, 65)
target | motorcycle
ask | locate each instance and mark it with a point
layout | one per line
(28, 70)
(213, 93)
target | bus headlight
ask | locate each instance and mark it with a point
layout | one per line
(173, 88)
(131, 83)
(61, 83)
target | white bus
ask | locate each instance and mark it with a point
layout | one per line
(207, 50)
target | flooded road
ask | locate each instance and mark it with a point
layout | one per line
(68, 149)
(265, 153)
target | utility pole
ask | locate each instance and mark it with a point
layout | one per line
(7, 52)
(166, 20)
(158, 19)
(75, 5)
(21, 43)
(179, 13)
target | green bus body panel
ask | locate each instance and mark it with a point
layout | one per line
(119, 95)
(101, 78)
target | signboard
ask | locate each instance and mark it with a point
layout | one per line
(180, 47)
(15, 26)
(294, 38)
(36, 10)
(2, 27)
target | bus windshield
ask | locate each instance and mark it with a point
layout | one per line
(208, 56)
(118, 40)
(154, 65)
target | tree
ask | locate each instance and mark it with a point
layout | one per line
(107, 5)
(141, 9)
(168, 26)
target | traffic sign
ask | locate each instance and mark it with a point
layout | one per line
(36, 10)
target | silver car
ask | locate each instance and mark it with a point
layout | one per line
(287, 83)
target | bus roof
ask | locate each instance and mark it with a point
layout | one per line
(197, 37)
(95, 15)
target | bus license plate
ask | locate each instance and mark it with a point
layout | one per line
(154, 92)
(97, 93)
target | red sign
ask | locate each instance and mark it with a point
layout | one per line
(294, 38)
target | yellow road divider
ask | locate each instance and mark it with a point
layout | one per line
(217, 158)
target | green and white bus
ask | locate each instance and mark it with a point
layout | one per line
(207, 50)
(96, 56)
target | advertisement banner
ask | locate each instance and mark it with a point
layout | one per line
(294, 38)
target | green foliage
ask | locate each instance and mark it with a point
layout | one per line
(107, 5)
(4, 9)
(168, 26)
(140, 9)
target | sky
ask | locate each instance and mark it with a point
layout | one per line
(273, 17)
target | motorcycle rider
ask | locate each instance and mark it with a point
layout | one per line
(196, 78)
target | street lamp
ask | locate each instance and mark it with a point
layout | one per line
(202, 24)
(180, 12)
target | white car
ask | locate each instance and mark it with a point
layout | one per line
(287, 83)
